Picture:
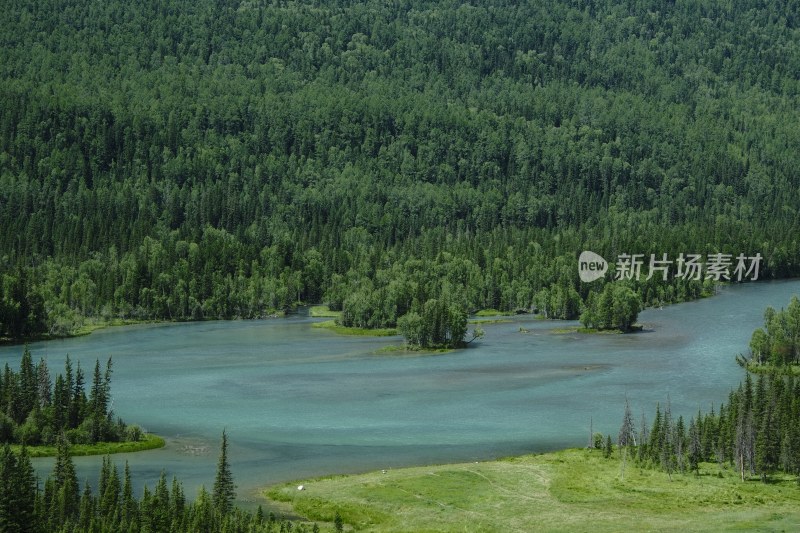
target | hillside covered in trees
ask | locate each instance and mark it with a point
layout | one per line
(223, 158)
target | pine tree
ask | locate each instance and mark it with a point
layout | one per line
(77, 409)
(60, 405)
(694, 447)
(680, 441)
(9, 521)
(767, 446)
(667, 450)
(86, 512)
(98, 401)
(744, 449)
(160, 510)
(644, 438)
(110, 495)
(224, 490)
(203, 516)
(177, 502)
(655, 443)
(608, 448)
(65, 483)
(627, 435)
(129, 508)
(28, 386)
(26, 488)
(43, 383)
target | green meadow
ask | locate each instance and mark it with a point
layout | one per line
(570, 490)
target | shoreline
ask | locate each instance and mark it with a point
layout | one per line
(567, 490)
(150, 442)
(322, 311)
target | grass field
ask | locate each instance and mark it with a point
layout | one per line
(323, 311)
(570, 490)
(149, 442)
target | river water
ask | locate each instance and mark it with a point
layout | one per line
(298, 401)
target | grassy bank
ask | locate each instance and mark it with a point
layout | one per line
(149, 442)
(494, 312)
(570, 490)
(562, 331)
(785, 370)
(323, 311)
(404, 349)
(344, 330)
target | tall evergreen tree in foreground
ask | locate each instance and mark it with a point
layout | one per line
(627, 435)
(224, 489)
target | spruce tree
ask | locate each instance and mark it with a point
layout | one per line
(43, 384)
(129, 506)
(608, 449)
(9, 521)
(65, 483)
(627, 435)
(86, 508)
(26, 487)
(224, 490)
(77, 408)
(160, 510)
(28, 386)
(694, 447)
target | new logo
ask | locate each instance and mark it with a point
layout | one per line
(591, 266)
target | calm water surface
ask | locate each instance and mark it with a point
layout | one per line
(299, 401)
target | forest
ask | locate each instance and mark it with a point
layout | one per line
(776, 346)
(33, 411)
(757, 431)
(64, 507)
(179, 160)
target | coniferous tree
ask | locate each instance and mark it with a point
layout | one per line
(161, 520)
(224, 488)
(627, 435)
(43, 383)
(608, 448)
(26, 490)
(9, 496)
(644, 438)
(66, 496)
(667, 446)
(78, 401)
(129, 507)
(28, 386)
(86, 508)
(695, 449)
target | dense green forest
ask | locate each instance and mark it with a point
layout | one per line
(615, 307)
(757, 431)
(63, 507)
(223, 158)
(776, 346)
(33, 411)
